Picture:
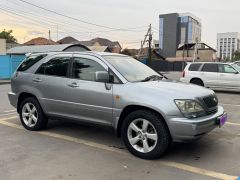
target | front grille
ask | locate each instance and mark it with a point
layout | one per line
(210, 101)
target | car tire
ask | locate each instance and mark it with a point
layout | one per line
(31, 115)
(148, 143)
(197, 82)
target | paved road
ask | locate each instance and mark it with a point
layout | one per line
(73, 151)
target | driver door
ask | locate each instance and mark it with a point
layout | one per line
(89, 100)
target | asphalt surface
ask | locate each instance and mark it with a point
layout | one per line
(72, 151)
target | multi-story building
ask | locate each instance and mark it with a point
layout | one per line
(177, 29)
(227, 45)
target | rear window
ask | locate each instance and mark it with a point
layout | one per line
(210, 67)
(30, 61)
(194, 67)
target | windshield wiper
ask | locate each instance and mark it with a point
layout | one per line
(153, 78)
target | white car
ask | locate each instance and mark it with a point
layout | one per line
(237, 63)
(214, 75)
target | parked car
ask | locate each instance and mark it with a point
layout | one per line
(214, 75)
(148, 111)
(237, 63)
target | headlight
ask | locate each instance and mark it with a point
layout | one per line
(190, 108)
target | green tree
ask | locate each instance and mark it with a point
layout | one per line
(236, 56)
(8, 36)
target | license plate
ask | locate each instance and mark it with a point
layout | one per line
(222, 120)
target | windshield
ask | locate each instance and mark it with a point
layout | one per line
(236, 67)
(130, 68)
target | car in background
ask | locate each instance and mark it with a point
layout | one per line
(214, 75)
(237, 63)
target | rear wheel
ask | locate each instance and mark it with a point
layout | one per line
(32, 115)
(197, 82)
(145, 134)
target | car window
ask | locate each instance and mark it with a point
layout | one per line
(85, 69)
(210, 67)
(55, 67)
(225, 68)
(30, 61)
(194, 67)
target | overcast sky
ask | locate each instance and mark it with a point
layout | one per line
(28, 22)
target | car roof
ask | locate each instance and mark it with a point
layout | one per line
(84, 52)
(210, 63)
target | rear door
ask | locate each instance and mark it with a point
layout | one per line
(230, 78)
(87, 99)
(209, 75)
(51, 81)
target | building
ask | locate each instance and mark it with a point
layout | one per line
(114, 46)
(227, 45)
(40, 41)
(202, 52)
(4, 46)
(68, 40)
(176, 29)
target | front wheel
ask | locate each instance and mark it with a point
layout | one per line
(32, 115)
(145, 134)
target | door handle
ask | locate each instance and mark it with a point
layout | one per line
(73, 85)
(37, 80)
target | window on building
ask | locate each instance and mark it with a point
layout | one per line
(161, 33)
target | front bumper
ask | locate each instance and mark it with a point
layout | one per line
(183, 129)
(13, 98)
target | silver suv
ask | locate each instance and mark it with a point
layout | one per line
(148, 111)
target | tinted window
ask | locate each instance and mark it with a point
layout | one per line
(55, 67)
(224, 68)
(85, 69)
(210, 67)
(30, 61)
(194, 67)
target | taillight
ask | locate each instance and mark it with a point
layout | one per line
(183, 74)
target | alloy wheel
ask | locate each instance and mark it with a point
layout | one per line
(29, 115)
(142, 135)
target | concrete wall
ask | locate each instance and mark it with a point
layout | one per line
(3, 46)
(205, 55)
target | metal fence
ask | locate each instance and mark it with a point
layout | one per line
(8, 65)
(163, 65)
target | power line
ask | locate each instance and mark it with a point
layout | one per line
(69, 17)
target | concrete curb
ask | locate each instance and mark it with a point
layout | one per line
(2, 82)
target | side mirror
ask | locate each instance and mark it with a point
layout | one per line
(102, 76)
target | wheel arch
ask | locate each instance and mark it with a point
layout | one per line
(23, 96)
(131, 108)
(197, 78)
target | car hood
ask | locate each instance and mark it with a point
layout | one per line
(172, 89)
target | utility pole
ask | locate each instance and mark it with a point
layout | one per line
(147, 38)
(49, 35)
(150, 46)
(195, 50)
